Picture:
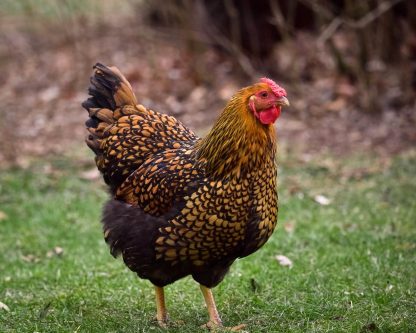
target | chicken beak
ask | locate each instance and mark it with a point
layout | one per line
(282, 101)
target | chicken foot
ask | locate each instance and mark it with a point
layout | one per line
(214, 317)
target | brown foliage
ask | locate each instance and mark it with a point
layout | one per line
(177, 68)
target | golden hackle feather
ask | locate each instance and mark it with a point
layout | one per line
(237, 141)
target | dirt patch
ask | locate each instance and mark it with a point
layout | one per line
(44, 81)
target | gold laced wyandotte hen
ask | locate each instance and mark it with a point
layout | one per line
(182, 205)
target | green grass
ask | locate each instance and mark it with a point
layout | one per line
(354, 266)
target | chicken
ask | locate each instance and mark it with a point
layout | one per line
(182, 205)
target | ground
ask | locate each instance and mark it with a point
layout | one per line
(352, 257)
(44, 82)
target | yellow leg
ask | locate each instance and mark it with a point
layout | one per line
(161, 315)
(214, 317)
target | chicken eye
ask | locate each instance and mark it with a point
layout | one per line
(264, 94)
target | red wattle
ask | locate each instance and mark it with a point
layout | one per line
(269, 116)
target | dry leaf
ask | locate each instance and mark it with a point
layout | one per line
(49, 94)
(4, 306)
(289, 227)
(92, 174)
(322, 200)
(284, 261)
(57, 251)
(30, 258)
(389, 287)
(3, 216)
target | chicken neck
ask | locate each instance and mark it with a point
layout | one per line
(238, 143)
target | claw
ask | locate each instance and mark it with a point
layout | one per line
(163, 324)
(216, 327)
(237, 328)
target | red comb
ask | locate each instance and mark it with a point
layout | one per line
(277, 90)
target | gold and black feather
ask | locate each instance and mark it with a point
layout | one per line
(122, 133)
(169, 217)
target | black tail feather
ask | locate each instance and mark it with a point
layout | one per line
(109, 90)
(104, 85)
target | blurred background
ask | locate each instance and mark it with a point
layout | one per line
(347, 159)
(349, 67)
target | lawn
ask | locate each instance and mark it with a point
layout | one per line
(353, 257)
